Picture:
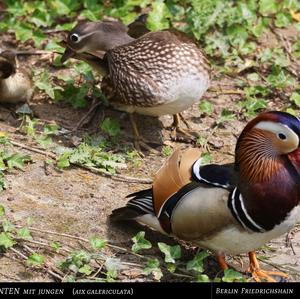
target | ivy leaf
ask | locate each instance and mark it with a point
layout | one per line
(6, 241)
(55, 246)
(152, 267)
(172, 253)
(202, 278)
(267, 7)
(7, 226)
(283, 20)
(253, 77)
(2, 165)
(97, 243)
(111, 127)
(23, 32)
(232, 276)
(35, 260)
(2, 211)
(17, 160)
(140, 242)
(295, 98)
(86, 269)
(226, 115)
(196, 264)
(44, 141)
(206, 107)
(158, 17)
(63, 160)
(24, 233)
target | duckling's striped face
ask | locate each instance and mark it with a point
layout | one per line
(264, 142)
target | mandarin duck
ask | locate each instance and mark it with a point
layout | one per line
(15, 83)
(155, 74)
(233, 208)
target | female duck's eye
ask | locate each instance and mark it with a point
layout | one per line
(281, 136)
(74, 37)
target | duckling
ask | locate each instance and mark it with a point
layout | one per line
(158, 73)
(15, 84)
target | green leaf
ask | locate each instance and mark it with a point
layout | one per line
(17, 160)
(202, 278)
(283, 20)
(86, 269)
(172, 253)
(7, 226)
(63, 161)
(158, 17)
(29, 126)
(196, 264)
(44, 141)
(253, 77)
(206, 107)
(23, 32)
(206, 158)
(55, 246)
(6, 241)
(35, 260)
(225, 116)
(2, 211)
(267, 7)
(152, 267)
(110, 127)
(24, 233)
(166, 151)
(232, 276)
(2, 164)
(295, 98)
(50, 129)
(97, 243)
(291, 111)
(171, 267)
(140, 242)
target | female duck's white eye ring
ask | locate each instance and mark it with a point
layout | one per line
(281, 136)
(74, 38)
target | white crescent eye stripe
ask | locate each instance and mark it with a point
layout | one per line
(80, 37)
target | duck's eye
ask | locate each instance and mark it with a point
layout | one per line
(281, 136)
(74, 37)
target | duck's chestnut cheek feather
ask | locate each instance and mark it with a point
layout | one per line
(295, 159)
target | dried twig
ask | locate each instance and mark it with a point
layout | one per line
(226, 91)
(33, 149)
(43, 245)
(36, 52)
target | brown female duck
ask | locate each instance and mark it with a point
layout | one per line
(156, 74)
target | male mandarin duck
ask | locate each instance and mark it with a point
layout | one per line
(15, 84)
(232, 208)
(156, 74)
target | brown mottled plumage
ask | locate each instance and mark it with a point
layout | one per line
(158, 73)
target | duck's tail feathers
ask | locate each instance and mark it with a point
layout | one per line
(140, 203)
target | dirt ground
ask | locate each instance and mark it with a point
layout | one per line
(78, 202)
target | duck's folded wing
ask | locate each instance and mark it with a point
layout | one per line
(173, 175)
(213, 174)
